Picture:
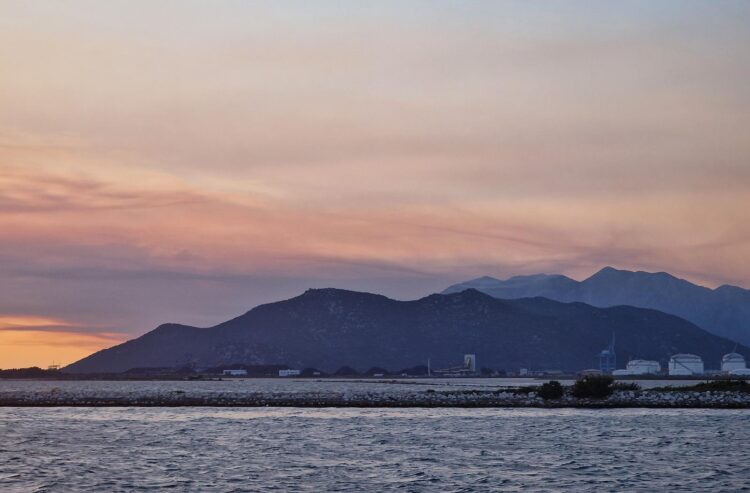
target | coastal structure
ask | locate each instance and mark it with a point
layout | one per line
(234, 373)
(398, 396)
(469, 368)
(685, 365)
(639, 367)
(732, 361)
(607, 357)
(289, 373)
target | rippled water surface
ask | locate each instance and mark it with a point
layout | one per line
(287, 449)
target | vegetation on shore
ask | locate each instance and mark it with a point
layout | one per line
(724, 385)
(587, 387)
(551, 390)
(33, 372)
(593, 386)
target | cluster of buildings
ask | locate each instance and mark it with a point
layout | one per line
(684, 364)
(243, 373)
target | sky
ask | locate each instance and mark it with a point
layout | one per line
(184, 161)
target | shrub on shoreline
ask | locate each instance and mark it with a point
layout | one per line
(551, 390)
(724, 385)
(595, 386)
(523, 390)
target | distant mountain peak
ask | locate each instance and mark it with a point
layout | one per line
(469, 293)
(609, 272)
(536, 277)
(486, 278)
(336, 292)
(612, 274)
(731, 289)
(494, 286)
(319, 291)
(724, 311)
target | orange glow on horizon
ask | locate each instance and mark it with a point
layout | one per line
(19, 321)
(31, 340)
(25, 348)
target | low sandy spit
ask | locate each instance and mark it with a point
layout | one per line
(430, 398)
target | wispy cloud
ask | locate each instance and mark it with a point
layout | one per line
(232, 155)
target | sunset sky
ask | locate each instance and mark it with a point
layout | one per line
(185, 161)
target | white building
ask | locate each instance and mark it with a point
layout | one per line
(639, 367)
(235, 373)
(685, 365)
(732, 361)
(289, 373)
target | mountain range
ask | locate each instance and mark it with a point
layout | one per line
(724, 311)
(330, 328)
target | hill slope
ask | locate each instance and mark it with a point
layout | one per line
(329, 328)
(724, 311)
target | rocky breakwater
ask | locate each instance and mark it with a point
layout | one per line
(525, 397)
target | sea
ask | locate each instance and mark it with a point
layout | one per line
(379, 450)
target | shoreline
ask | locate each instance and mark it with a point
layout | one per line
(423, 399)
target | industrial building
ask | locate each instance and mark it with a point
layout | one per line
(608, 358)
(234, 373)
(289, 373)
(685, 365)
(469, 368)
(639, 367)
(732, 361)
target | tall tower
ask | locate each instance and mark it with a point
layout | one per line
(607, 358)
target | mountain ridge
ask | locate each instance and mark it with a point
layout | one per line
(329, 328)
(724, 311)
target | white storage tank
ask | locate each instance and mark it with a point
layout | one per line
(643, 367)
(685, 364)
(732, 361)
(740, 372)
